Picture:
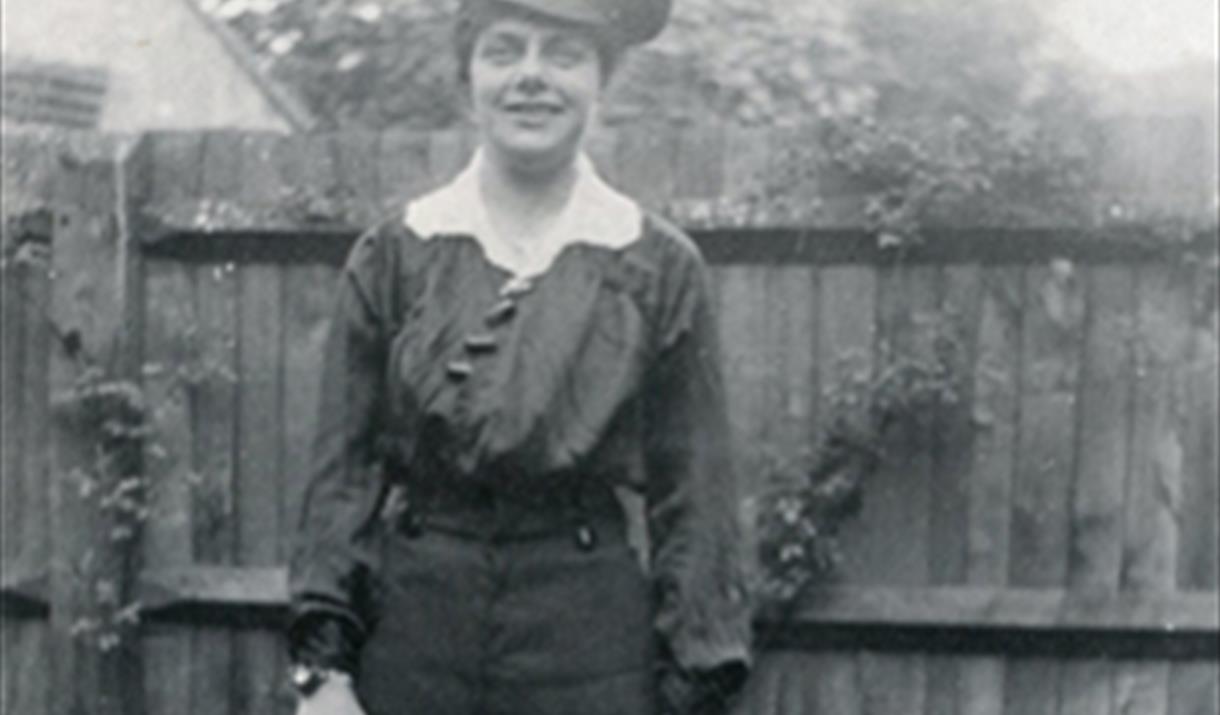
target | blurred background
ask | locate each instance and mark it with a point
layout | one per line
(128, 65)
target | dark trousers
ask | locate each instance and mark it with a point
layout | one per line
(483, 612)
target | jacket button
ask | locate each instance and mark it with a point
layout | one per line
(500, 312)
(481, 343)
(458, 370)
(586, 537)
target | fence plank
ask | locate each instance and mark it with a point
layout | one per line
(835, 687)
(792, 299)
(257, 662)
(214, 429)
(1050, 369)
(943, 676)
(1105, 404)
(1097, 498)
(170, 353)
(1198, 560)
(996, 379)
(897, 503)
(308, 297)
(24, 641)
(953, 428)
(895, 683)
(89, 569)
(746, 360)
(898, 498)
(1155, 477)
(1141, 687)
(1195, 688)
(845, 347)
(1054, 313)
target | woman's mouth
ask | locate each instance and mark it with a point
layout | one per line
(533, 110)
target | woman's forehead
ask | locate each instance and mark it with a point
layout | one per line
(528, 27)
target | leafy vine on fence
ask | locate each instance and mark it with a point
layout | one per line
(810, 498)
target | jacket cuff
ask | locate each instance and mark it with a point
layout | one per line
(326, 640)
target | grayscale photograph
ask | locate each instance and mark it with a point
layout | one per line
(610, 357)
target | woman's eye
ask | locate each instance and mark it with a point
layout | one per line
(500, 53)
(567, 54)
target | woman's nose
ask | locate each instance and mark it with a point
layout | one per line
(531, 71)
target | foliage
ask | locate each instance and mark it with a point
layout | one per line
(809, 501)
(936, 110)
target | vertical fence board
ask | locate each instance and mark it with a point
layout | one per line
(1194, 688)
(1198, 560)
(994, 411)
(257, 663)
(1097, 497)
(1087, 687)
(214, 428)
(794, 298)
(1155, 483)
(831, 678)
(746, 360)
(897, 504)
(1141, 687)
(981, 686)
(894, 684)
(1054, 313)
(845, 347)
(306, 304)
(91, 298)
(170, 354)
(1105, 404)
(953, 429)
(943, 685)
(35, 518)
(1154, 486)
(1050, 370)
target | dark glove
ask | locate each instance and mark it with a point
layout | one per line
(700, 692)
(325, 641)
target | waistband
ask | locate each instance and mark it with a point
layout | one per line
(586, 511)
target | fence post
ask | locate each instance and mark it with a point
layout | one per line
(95, 664)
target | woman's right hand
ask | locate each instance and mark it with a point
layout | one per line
(334, 697)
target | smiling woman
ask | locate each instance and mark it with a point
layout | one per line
(508, 355)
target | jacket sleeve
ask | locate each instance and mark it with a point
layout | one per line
(334, 553)
(692, 499)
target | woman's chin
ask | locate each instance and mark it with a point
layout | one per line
(532, 154)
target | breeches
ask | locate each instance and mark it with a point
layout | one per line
(477, 620)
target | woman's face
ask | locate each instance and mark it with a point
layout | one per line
(533, 88)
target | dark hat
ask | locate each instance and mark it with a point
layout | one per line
(631, 21)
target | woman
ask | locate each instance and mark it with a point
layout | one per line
(505, 355)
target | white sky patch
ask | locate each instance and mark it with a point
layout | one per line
(1140, 35)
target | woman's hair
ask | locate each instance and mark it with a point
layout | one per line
(475, 16)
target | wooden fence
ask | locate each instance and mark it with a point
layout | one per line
(1051, 547)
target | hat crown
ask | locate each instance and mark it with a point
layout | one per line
(633, 21)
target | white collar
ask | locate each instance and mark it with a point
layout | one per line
(595, 214)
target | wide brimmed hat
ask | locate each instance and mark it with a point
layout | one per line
(631, 22)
